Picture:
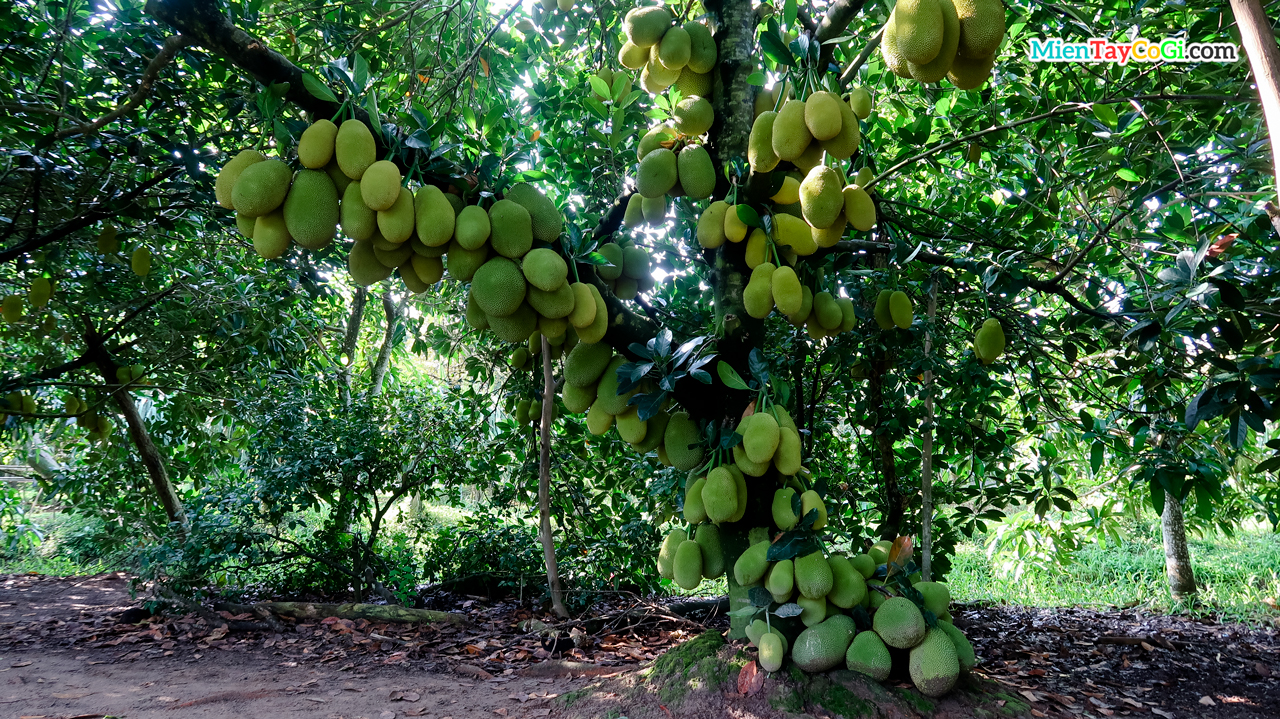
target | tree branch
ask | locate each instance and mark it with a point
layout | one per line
(168, 51)
(1107, 228)
(838, 17)
(858, 61)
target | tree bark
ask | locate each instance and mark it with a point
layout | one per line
(1264, 58)
(393, 310)
(544, 486)
(350, 341)
(1177, 558)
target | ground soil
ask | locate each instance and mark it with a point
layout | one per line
(65, 652)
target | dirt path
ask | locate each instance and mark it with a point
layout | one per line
(39, 678)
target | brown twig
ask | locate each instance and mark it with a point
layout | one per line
(168, 50)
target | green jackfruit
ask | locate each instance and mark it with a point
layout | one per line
(787, 457)
(108, 244)
(934, 665)
(757, 296)
(771, 652)
(667, 552)
(693, 116)
(787, 293)
(645, 26)
(860, 102)
(271, 235)
(811, 500)
(631, 428)
(781, 580)
(711, 225)
(761, 438)
(515, 326)
(613, 253)
(865, 565)
(600, 325)
(674, 48)
(937, 598)
(794, 233)
(899, 623)
(859, 210)
(463, 263)
(522, 407)
(900, 309)
(702, 48)
(694, 510)
(692, 83)
(829, 236)
(813, 575)
(848, 587)
(635, 262)
(829, 314)
(751, 564)
(982, 27)
(918, 28)
(394, 257)
(783, 517)
(757, 251)
(428, 269)
(810, 158)
(655, 78)
(358, 221)
(546, 219)
(740, 483)
(230, 172)
(340, 180)
(964, 650)
(315, 147)
(720, 495)
(657, 174)
(261, 188)
(472, 227)
(396, 223)
(936, 69)
(476, 316)
(884, 319)
(586, 364)
(363, 265)
(822, 115)
(869, 655)
(755, 630)
(683, 442)
(545, 269)
(613, 402)
(311, 209)
(434, 216)
(578, 399)
(823, 646)
(686, 568)
(989, 343)
(654, 209)
(354, 148)
(553, 305)
(512, 229)
(844, 144)
(969, 74)
(735, 230)
(713, 563)
(632, 56)
(380, 185)
(821, 200)
(814, 610)
(880, 551)
(653, 139)
(598, 420)
(893, 58)
(791, 136)
(41, 291)
(499, 287)
(697, 174)
(760, 143)
(653, 436)
(584, 306)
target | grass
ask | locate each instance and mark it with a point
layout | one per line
(1234, 574)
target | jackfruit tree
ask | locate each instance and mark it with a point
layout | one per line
(830, 274)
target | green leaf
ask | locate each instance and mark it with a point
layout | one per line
(748, 215)
(1128, 175)
(756, 78)
(790, 609)
(1096, 455)
(599, 87)
(729, 375)
(361, 73)
(744, 611)
(317, 88)
(1106, 115)
(789, 12)
(775, 50)
(760, 597)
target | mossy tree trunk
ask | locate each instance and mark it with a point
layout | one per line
(1177, 558)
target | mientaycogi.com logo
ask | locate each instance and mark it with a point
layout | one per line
(1170, 49)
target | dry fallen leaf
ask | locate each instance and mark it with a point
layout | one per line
(750, 679)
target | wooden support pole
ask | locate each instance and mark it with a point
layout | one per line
(544, 486)
(1264, 57)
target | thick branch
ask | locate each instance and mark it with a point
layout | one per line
(1264, 58)
(838, 17)
(167, 52)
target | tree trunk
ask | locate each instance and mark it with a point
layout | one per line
(1177, 559)
(926, 463)
(1264, 57)
(350, 341)
(544, 486)
(393, 310)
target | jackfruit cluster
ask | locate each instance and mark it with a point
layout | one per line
(928, 40)
(822, 314)
(689, 560)
(628, 273)
(667, 54)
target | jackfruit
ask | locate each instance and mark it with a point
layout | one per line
(463, 263)
(937, 598)
(964, 650)
(820, 198)
(755, 630)
(865, 565)
(791, 136)
(653, 139)
(686, 569)
(40, 293)
(757, 296)
(810, 158)
(522, 407)
(735, 230)
(657, 425)
(848, 315)
(584, 307)
(340, 180)
(880, 551)
(358, 221)
(635, 262)
(771, 652)
(633, 216)
(697, 174)
(546, 219)
(315, 147)
(261, 188)
(140, 261)
(869, 655)
(859, 210)
(682, 442)
(655, 78)
(936, 69)
(884, 319)
(702, 48)
(720, 495)
(751, 564)
(760, 143)
(708, 538)
(900, 309)
(864, 177)
(553, 307)
(795, 233)
(811, 500)
(823, 646)
(693, 116)
(860, 102)
(934, 665)
(578, 399)
(822, 115)
(657, 173)
(787, 458)
(893, 58)
(667, 552)
(363, 265)
(843, 145)
(612, 252)
(380, 185)
(848, 587)
(108, 244)
(499, 287)
(757, 250)
(12, 308)
(693, 83)
(711, 225)
(813, 610)
(512, 229)
(788, 193)
(645, 26)
(788, 295)
(781, 580)
(654, 209)
(354, 148)
(476, 316)
(899, 623)
(967, 74)
(632, 56)
(600, 325)
(515, 326)
(981, 27)
(614, 403)
(428, 269)
(694, 511)
(761, 438)
(830, 236)
(227, 177)
(813, 575)
(586, 363)
(631, 428)
(545, 269)
(989, 342)
(433, 215)
(674, 48)
(472, 227)
(311, 209)
(396, 223)
(918, 29)
(829, 314)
